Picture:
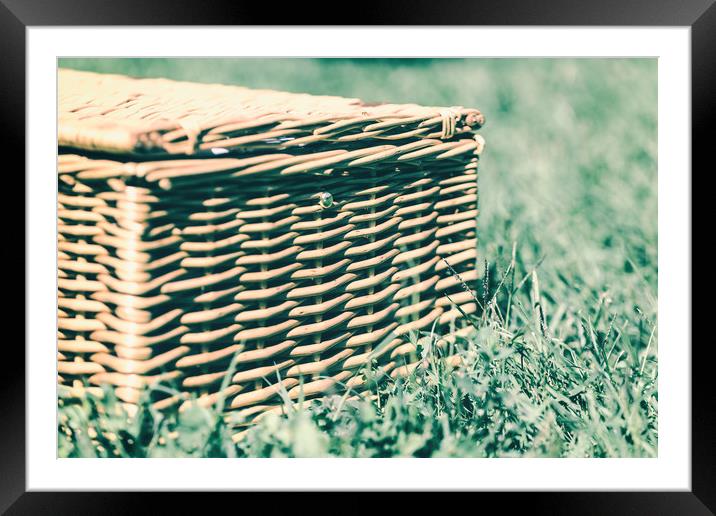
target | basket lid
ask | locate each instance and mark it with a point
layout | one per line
(124, 115)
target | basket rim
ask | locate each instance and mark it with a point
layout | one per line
(118, 114)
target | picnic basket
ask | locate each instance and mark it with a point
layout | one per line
(233, 243)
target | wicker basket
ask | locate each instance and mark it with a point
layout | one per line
(228, 241)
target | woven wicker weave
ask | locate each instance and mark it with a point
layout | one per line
(299, 236)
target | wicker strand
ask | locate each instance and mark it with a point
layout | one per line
(449, 118)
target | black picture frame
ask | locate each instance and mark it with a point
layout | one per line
(17, 15)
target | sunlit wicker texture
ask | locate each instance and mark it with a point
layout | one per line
(171, 268)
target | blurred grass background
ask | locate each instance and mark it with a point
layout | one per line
(568, 179)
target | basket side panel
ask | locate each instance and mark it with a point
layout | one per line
(249, 292)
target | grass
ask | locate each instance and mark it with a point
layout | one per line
(561, 361)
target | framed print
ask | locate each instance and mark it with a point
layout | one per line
(437, 250)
